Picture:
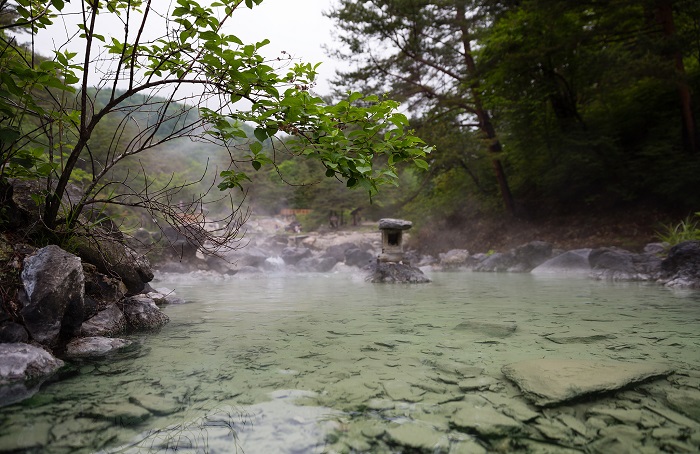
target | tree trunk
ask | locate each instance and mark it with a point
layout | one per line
(485, 124)
(664, 14)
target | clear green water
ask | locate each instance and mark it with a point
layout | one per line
(329, 363)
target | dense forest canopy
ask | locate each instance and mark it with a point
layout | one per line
(538, 106)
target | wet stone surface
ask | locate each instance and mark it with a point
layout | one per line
(329, 363)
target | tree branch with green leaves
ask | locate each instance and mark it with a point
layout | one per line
(194, 81)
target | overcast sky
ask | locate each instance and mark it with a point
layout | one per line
(297, 27)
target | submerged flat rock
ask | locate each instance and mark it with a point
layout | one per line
(417, 437)
(499, 330)
(83, 347)
(579, 337)
(552, 381)
(476, 414)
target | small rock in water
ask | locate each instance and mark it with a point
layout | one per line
(83, 347)
(552, 381)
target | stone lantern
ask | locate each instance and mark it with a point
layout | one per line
(392, 239)
(391, 266)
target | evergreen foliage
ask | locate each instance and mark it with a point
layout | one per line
(593, 103)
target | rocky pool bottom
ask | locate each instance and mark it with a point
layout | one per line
(299, 363)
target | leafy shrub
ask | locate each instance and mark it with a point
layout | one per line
(686, 230)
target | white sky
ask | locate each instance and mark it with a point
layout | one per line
(295, 26)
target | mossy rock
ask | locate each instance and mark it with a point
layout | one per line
(112, 257)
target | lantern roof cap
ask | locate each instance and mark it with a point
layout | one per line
(394, 224)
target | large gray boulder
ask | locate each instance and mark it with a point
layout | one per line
(23, 368)
(521, 259)
(530, 255)
(25, 213)
(292, 255)
(390, 272)
(317, 264)
(54, 288)
(337, 251)
(21, 362)
(181, 244)
(569, 262)
(621, 265)
(358, 257)
(681, 268)
(142, 313)
(107, 322)
(11, 332)
(454, 258)
(104, 290)
(552, 381)
(498, 262)
(247, 256)
(94, 346)
(104, 249)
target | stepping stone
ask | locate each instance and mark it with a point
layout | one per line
(548, 382)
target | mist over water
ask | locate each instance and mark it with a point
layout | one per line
(327, 362)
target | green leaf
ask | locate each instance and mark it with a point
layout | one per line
(256, 165)
(48, 65)
(330, 173)
(420, 163)
(256, 147)
(351, 182)
(354, 97)
(209, 35)
(8, 135)
(260, 134)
